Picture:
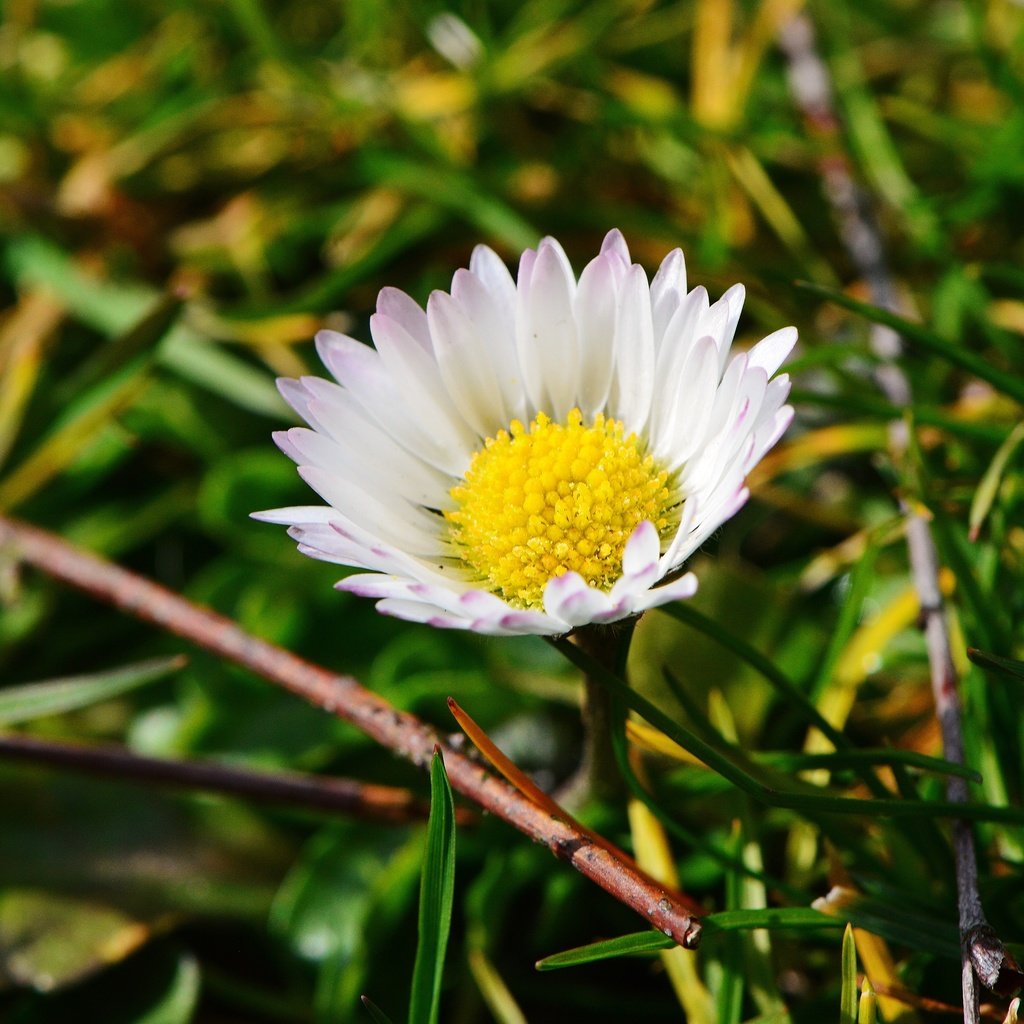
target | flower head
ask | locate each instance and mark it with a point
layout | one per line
(533, 455)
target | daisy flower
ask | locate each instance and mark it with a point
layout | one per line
(533, 455)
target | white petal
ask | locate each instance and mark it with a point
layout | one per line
(295, 514)
(295, 395)
(769, 436)
(571, 600)
(546, 334)
(416, 611)
(633, 385)
(360, 369)
(771, 351)
(521, 623)
(403, 309)
(419, 381)
(380, 585)
(466, 366)
(488, 302)
(375, 553)
(397, 522)
(595, 311)
(640, 562)
(683, 405)
(727, 435)
(614, 242)
(488, 266)
(722, 319)
(678, 590)
(668, 291)
(397, 474)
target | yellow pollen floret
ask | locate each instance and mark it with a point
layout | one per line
(542, 500)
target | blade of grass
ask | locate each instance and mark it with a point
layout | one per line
(926, 415)
(728, 980)
(798, 919)
(1009, 667)
(927, 340)
(57, 696)
(63, 445)
(437, 891)
(694, 840)
(867, 1008)
(378, 1015)
(985, 495)
(495, 992)
(735, 767)
(653, 854)
(848, 992)
(774, 676)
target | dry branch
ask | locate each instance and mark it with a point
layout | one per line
(293, 789)
(984, 956)
(403, 733)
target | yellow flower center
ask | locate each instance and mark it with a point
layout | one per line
(539, 501)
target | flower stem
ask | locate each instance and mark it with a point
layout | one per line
(598, 775)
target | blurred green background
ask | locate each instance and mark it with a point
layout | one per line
(189, 190)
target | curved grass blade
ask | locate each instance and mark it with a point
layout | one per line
(694, 840)
(847, 759)
(994, 663)
(634, 944)
(777, 679)
(640, 943)
(57, 696)
(493, 989)
(929, 416)
(378, 1015)
(867, 1009)
(916, 334)
(437, 890)
(985, 495)
(737, 768)
(848, 993)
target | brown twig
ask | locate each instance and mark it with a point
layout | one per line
(305, 792)
(344, 697)
(984, 956)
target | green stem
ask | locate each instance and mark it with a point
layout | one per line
(598, 774)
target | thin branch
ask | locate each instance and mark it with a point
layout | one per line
(306, 792)
(344, 697)
(984, 956)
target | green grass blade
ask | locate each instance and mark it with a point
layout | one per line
(436, 894)
(848, 994)
(734, 766)
(925, 339)
(985, 495)
(697, 840)
(753, 657)
(871, 405)
(623, 945)
(378, 1015)
(994, 663)
(57, 696)
(772, 918)
(797, 919)
(847, 759)
(177, 1005)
